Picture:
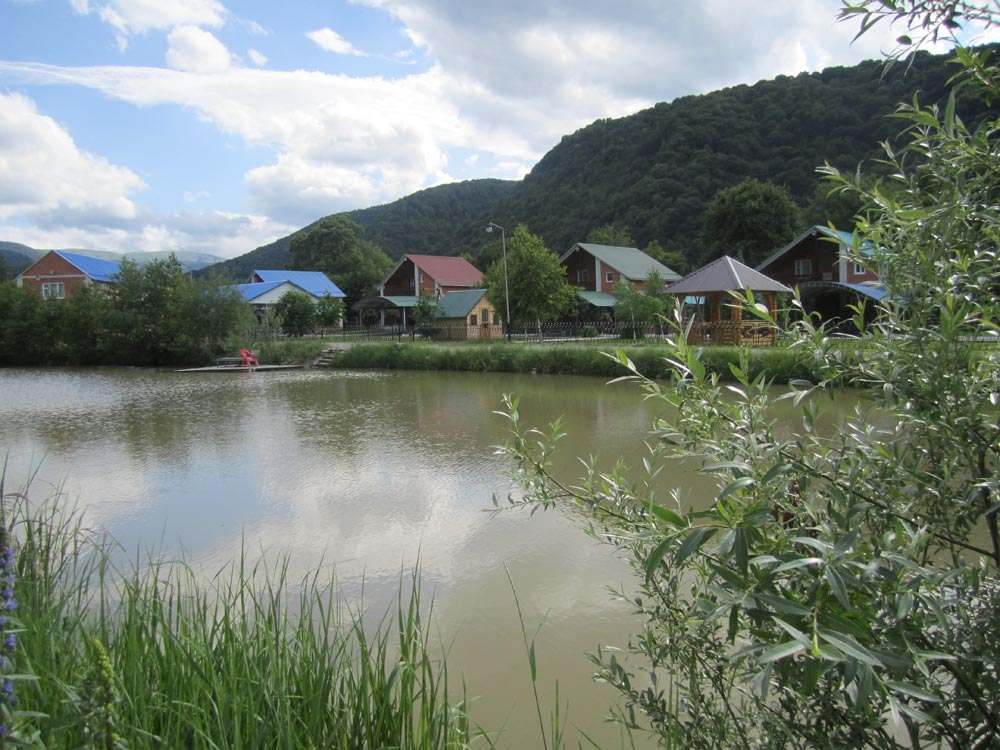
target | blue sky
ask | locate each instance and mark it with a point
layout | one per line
(144, 125)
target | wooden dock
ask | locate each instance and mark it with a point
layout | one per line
(241, 368)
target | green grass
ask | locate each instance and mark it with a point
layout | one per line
(158, 658)
(779, 363)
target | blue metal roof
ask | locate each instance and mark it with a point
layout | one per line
(96, 268)
(869, 290)
(251, 292)
(314, 282)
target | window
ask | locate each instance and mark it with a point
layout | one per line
(485, 314)
(803, 267)
(859, 269)
(609, 276)
(53, 290)
(472, 320)
(584, 279)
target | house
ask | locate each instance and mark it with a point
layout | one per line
(467, 315)
(707, 294)
(438, 275)
(597, 269)
(59, 273)
(829, 281)
(266, 287)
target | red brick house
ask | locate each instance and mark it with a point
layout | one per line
(435, 274)
(828, 280)
(59, 273)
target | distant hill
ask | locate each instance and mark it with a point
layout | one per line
(18, 256)
(656, 171)
(444, 220)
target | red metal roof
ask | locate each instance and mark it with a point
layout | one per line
(447, 270)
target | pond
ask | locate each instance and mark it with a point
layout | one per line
(368, 474)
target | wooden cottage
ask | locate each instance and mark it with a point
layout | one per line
(467, 315)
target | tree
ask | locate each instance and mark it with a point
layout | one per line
(749, 221)
(537, 283)
(329, 310)
(611, 235)
(672, 259)
(296, 313)
(336, 246)
(838, 592)
(424, 313)
(635, 306)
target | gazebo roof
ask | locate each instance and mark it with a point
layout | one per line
(725, 275)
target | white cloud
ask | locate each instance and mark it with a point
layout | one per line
(46, 178)
(138, 16)
(212, 232)
(329, 40)
(257, 58)
(196, 50)
(506, 82)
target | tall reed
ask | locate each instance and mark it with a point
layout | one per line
(159, 658)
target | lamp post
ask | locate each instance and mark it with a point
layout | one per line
(490, 226)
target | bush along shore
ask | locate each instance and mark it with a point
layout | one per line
(158, 658)
(779, 364)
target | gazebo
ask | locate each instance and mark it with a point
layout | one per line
(718, 315)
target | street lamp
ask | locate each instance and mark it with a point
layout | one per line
(490, 226)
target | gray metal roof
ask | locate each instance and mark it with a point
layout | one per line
(459, 304)
(725, 275)
(630, 262)
(598, 299)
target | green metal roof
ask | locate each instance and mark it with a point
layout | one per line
(598, 299)
(630, 262)
(409, 301)
(459, 304)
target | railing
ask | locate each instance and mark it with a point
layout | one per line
(734, 333)
(728, 333)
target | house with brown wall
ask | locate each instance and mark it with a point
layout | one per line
(829, 280)
(598, 269)
(58, 274)
(435, 274)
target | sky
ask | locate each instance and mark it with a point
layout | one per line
(216, 127)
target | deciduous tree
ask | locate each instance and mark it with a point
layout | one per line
(537, 283)
(337, 247)
(841, 588)
(749, 220)
(296, 313)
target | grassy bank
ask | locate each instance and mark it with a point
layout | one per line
(156, 658)
(780, 364)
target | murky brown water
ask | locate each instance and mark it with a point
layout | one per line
(367, 473)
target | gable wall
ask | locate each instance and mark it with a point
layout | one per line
(400, 283)
(823, 254)
(578, 264)
(52, 268)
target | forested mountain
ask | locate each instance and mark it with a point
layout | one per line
(442, 220)
(15, 255)
(655, 172)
